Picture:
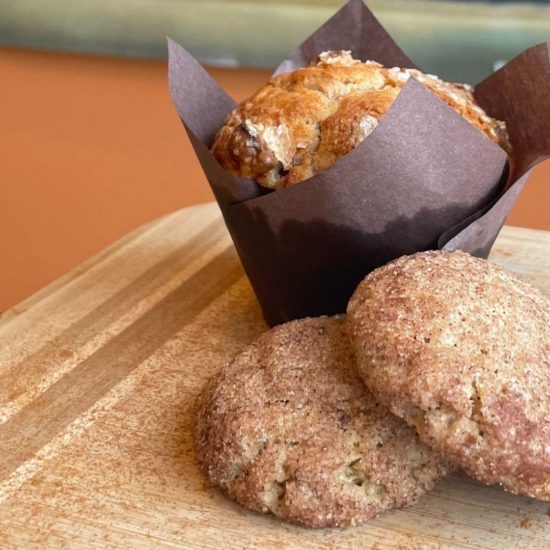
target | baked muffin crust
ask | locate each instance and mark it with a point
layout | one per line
(301, 122)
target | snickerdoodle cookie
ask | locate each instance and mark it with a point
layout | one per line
(289, 428)
(460, 349)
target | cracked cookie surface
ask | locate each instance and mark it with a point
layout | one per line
(301, 122)
(460, 349)
(288, 428)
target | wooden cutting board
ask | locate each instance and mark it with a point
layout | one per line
(98, 373)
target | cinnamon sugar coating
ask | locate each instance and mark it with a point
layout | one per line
(460, 349)
(288, 428)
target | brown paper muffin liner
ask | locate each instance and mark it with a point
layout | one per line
(423, 179)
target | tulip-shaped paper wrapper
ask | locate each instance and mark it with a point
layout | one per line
(423, 179)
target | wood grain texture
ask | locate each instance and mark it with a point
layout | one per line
(98, 374)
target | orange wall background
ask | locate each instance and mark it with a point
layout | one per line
(91, 147)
